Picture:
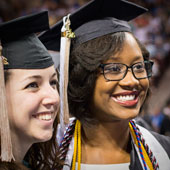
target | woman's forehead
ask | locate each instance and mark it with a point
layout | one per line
(34, 73)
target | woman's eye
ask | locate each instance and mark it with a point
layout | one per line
(32, 85)
(139, 66)
(113, 69)
(54, 84)
(116, 69)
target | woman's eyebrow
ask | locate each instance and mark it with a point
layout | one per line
(38, 77)
(32, 77)
(55, 75)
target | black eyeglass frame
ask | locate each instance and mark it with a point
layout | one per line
(127, 68)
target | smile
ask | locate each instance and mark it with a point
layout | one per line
(47, 116)
(126, 98)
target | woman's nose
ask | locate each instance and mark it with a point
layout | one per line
(129, 80)
(51, 96)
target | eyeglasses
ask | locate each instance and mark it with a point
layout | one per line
(117, 71)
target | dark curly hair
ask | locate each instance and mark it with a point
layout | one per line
(84, 62)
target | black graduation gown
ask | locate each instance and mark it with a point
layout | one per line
(135, 162)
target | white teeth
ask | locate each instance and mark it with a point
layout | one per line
(44, 116)
(126, 98)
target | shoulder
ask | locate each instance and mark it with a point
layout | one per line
(164, 141)
(157, 143)
(142, 122)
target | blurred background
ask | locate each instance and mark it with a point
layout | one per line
(153, 29)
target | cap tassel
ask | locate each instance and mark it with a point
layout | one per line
(66, 35)
(6, 145)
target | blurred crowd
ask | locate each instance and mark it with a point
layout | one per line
(10, 9)
(153, 29)
(158, 121)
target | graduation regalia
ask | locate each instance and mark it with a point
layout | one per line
(96, 19)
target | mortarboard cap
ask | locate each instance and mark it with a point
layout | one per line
(21, 47)
(96, 18)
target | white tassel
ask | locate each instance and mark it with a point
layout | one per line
(6, 145)
(67, 34)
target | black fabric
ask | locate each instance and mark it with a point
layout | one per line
(142, 122)
(26, 53)
(165, 126)
(135, 162)
(16, 28)
(94, 10)
(21, 46)
(134, 159)
(98, 28)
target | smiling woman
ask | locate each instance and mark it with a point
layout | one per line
(38, 88)
(109, 72)
(32, 98)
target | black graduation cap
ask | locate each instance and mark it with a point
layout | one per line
(96, 18)
(21, 46)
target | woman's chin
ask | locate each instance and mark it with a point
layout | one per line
(43, 137)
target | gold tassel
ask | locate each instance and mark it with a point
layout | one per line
(6, 145)
(66, 35)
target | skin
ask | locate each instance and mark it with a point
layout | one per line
(111, 134)
(31, 93)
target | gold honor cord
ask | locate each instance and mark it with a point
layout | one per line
(77, 146)
(146, 157)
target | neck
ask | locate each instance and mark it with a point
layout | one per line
(106, 143)
(20, 147)
(107, 134)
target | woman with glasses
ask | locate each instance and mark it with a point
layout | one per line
(109, 71)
